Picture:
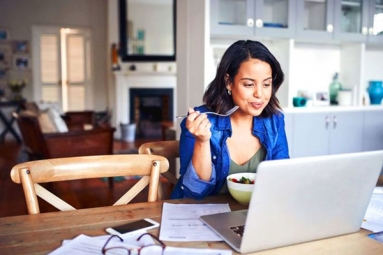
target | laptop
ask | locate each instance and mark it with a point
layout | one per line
(302, 199)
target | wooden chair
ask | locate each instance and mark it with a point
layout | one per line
(31, 174)
(167, 149)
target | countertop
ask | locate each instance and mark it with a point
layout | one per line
(334, 108)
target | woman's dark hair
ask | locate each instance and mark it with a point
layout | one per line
(216, 97)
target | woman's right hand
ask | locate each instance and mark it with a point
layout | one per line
(199, 125)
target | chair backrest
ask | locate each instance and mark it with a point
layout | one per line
(167, 149)
(33, 138)
(76, 120)
(31, 106)
(31, 173)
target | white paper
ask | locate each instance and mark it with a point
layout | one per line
(86, 245)
(181, 222)
(373, 219)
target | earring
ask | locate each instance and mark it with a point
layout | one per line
(229, 92)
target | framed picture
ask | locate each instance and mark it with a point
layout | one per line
(5, 54)
(21, 62)
(321, 98)
(3, 73)
(4, 34)
(20, 46)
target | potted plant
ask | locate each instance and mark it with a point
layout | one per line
(16, 87)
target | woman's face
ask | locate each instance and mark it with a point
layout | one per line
(252, 86)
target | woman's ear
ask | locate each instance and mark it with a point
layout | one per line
(228, 82)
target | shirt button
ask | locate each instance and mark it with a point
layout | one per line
(182, 187)
(214, 157)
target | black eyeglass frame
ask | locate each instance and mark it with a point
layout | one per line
(104, 249)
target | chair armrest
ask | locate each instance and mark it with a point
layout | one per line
(97, 141)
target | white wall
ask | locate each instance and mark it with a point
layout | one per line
(313, 67)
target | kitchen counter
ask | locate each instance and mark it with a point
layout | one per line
(308, 109)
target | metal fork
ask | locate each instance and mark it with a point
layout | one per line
(225, 114)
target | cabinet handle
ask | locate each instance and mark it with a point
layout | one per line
(250, 22)
(330, 28)
(334, 121)
(364, 30)
(327, 121)
(259, 23)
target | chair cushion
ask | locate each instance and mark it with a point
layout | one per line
(58, 122)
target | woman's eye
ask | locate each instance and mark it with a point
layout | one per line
(248, 84)
(267, 84)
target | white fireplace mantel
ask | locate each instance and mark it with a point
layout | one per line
(128, 80)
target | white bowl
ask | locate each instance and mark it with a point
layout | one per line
(241, 191)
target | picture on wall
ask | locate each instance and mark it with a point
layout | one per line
(21, 62)
(5, 54)
(3, 73)
(4, 34)
(20, 46)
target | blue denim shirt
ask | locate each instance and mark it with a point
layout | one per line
(270, 131)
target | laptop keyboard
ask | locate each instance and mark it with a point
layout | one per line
(238, 230)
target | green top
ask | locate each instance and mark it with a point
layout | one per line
(249, 166)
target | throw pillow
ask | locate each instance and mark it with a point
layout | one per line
(57, 120)
(46, 124)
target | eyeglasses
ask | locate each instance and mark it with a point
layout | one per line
(150, 249)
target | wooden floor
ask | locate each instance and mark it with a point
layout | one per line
(80, 194)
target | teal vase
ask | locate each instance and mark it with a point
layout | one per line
(375, 92)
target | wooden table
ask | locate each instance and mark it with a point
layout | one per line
(42, 233)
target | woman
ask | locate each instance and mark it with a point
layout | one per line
(211, 146)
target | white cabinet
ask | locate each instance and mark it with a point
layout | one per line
(340, 20)
(322, 133)
(373, 130)
(375, 22)
(246, 19)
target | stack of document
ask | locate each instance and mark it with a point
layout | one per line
(181, 222)
(373, 219)
(86, 245)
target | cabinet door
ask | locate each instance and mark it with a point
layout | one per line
(315, 20)
(311, 134)
(373, 131)
(351, 20)
(375, 21)
(346, 131)
(275, 18)
(232, 17)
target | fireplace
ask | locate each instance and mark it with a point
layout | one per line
(149, 108)
(155, 92)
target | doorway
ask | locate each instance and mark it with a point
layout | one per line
(61, 73)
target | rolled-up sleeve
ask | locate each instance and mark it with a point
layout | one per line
(196, 187)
